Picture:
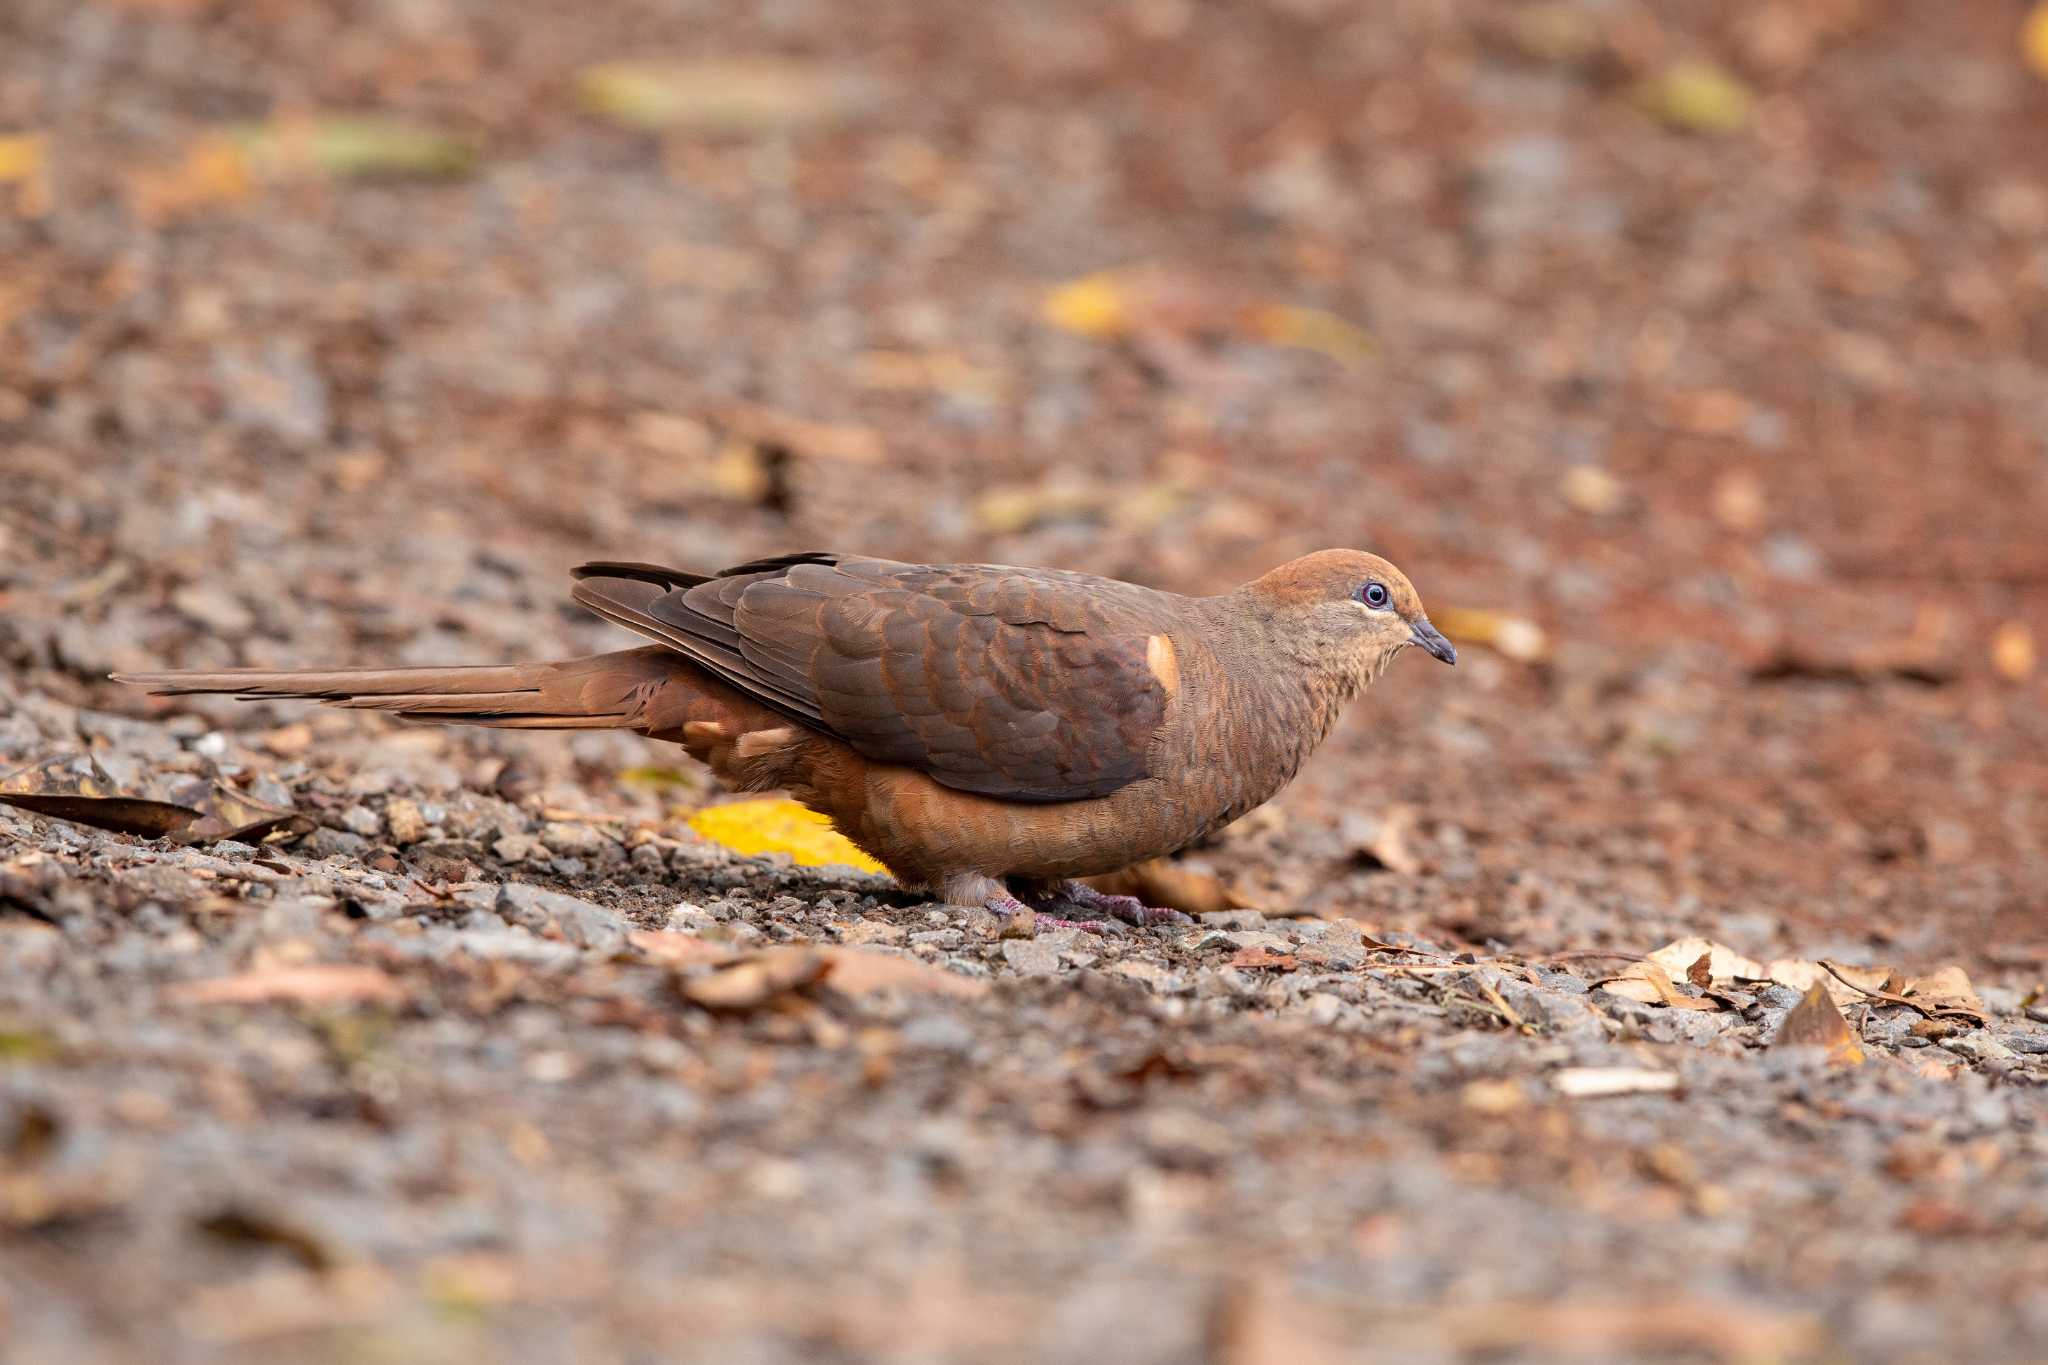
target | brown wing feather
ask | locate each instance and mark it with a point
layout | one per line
(1025, 684)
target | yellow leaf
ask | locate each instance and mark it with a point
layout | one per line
(1093, 306)
(776, 826)
(744, 96)
(21, 157)
(2034, 39)
(1311, 329)
(346, 147)
(1699, 97)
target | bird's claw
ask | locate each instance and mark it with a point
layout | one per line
(1128, 909)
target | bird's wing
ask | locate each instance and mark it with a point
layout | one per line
(1023, 684)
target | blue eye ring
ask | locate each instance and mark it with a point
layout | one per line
(1375, 595)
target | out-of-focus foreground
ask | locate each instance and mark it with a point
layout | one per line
(1691, 357)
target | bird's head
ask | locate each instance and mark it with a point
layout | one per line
(1348, 609)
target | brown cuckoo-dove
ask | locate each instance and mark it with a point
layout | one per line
(983, 731)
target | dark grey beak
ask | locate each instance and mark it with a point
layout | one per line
(1432, 639)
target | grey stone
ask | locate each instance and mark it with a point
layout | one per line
(1978, 1046)
(1031, 956)
(578, 921)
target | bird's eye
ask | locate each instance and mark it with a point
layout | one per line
(1374, 595)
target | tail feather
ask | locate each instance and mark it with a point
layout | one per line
(623, 690)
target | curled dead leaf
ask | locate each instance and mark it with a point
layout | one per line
(1647, 983)
(858, 971)
(121, 814)
(1172, 886)
(756, 981)
(1512, 637)
(1723, 963)
(1816, 1022)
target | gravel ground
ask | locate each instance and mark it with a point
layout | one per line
(1728, 450)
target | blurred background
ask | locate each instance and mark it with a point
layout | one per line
(1691, 357)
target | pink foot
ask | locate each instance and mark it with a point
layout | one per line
(1128, 909)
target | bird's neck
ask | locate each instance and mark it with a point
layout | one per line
(1279, 696)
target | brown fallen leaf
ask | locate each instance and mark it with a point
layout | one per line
(1171, 886)
(1926, 655)
(1261, 959)
(1816, 1022)
(1844, 984)
(1946, 992)
(679, 950)
(1387, 846)
(122, 814)
(756, 981)
(1512, 637)
(253, 1226)
(856, 971)
(1942, 994)
(1647, 983)
(333, 983)
(1723, 962)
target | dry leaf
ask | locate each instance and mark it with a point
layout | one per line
(1161, 301)
(21, 157)
(859, 972)
(1595, 1082)
(121, 814)
(1816, 1022)
(1723, 962)
(1261, 958)
(1171, 886)
(1845, 986)
(679, 950)
(771, 825)
(1946, 991)
(322, 984)
(2012, 651)
(1513, 637)
(1648, 983)
(1699, 97)
(724, 96)
(348, 147)
(1592, 490)
(757, 980)
(1388, 846)
(2034, 39)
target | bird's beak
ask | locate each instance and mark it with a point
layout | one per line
(1432, 639)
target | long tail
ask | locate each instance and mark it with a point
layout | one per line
(648, 690)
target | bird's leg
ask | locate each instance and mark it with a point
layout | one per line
(992, 895)
(1129, 909)
(1044, 896)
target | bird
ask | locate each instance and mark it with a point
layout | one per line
(988, 733)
